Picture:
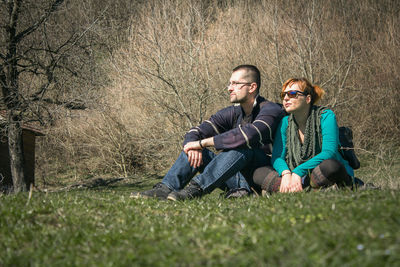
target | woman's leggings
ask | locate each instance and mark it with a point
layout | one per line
(328, 173)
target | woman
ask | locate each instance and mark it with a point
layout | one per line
(305, 152)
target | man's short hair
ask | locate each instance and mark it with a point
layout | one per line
(252, 74)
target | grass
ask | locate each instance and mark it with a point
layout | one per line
(104, 227)
(95, 223)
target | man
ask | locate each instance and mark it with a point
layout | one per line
(243, 132)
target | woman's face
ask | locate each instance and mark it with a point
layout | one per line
(294, 100)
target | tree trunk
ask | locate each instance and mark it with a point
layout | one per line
(15, 147)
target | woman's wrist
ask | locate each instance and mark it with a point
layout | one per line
(286, 172)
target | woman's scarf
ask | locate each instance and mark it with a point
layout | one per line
(297, 153)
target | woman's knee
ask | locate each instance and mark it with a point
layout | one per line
(330, 167)
(329, 172)
(267, 179)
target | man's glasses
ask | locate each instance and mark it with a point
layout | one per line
(291, 94)
(234, 84)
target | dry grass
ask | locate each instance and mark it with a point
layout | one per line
(171, 74)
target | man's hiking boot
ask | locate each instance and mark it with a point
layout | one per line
(237, 193)
(159, 191)
(192, 190)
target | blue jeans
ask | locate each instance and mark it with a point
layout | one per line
(230, 169)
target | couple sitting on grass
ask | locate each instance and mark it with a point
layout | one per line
(305, 145)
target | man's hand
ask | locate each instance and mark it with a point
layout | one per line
(194, 145)
(195, 158)
(194, 152)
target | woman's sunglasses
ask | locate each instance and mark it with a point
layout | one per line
(291, 94)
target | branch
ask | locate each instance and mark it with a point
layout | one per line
(276, 44)
(73, 104)
(56, 55)
(310, 47)
(14, 11)
(2, 78)
(348, 66)
(45, 86)
(36, 25)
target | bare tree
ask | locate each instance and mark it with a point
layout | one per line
(36, 55)
(171, 60)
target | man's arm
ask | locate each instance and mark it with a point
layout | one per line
(219, 123)
(252, 135)
(218, 131)
(199, 145)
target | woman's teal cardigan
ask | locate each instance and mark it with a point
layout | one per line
(330, 145)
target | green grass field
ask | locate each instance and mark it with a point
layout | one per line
(104, 227)
(99, 225)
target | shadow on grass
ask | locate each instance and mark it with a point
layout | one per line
(122, 183)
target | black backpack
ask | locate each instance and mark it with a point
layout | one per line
(347, 147)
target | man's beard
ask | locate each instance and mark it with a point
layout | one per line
(235, 100)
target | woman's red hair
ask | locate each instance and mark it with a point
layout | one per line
(307, 88)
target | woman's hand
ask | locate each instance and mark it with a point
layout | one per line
(295, 185)
(291, 183)
(285, 183)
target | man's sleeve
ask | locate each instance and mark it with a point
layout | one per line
(252, 135)
(219, 123)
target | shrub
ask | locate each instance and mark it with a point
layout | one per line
(171, 73)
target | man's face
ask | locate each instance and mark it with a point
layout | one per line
(239, 87)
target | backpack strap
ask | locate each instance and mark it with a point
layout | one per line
(346, 147)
